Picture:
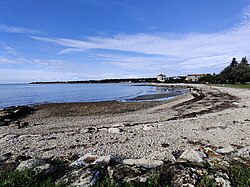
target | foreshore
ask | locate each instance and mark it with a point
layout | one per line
(208, 116)
(62, 129)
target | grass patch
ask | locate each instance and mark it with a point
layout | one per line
(27, 178)
(207, 181)
(242, 86)
(239, 174)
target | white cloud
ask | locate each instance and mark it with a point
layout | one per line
(16, 29)
(4, 60)
(194, 50)
(9, 49)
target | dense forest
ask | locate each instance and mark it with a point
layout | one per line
(235, 73)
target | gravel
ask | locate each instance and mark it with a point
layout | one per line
(220, 119)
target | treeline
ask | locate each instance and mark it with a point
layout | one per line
(132, 80)
(235, 73)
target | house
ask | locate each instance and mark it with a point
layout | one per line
(161, 78)
(194, 77)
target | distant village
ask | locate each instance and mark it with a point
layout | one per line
(189, 78)
(160, 78)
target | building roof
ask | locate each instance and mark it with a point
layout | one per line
(196, 74)
(161, 75)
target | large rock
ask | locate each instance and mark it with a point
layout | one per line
(244, 152)
(225, 150)
(164, 155)
(192, 155)
(110, 159)
(85, 160)
(147, 163)
(80, 178)
(30, 164)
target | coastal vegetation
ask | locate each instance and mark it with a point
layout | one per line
(128, 176)
(132, 80)
(235, 73)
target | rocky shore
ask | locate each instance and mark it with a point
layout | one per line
(195, 138)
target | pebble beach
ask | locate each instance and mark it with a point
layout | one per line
(216, 116)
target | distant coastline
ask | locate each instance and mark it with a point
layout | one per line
(131, 80)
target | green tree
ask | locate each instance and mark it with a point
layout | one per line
(242, 71)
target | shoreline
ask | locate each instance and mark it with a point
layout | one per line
(145, 97)
(60, 129)
(203, 130)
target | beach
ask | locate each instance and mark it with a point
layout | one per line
(216, 116)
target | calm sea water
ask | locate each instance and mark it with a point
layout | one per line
(24, 94)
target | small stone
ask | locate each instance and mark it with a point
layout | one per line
(7, 120)
(225, 150)
(30, 164)
(147, 127)
(88, 130)
(115, 130)
(118, 125)
(147, 163)
(192, 155)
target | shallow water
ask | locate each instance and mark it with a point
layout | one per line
(25, 94)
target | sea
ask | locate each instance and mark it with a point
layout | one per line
(29, 94)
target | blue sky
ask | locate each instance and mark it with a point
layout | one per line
(51, 40)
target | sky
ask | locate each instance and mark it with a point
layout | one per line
(60, 40)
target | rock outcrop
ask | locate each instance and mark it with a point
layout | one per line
(192, 168)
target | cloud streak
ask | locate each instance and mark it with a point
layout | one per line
(190, 51)
(16, 29)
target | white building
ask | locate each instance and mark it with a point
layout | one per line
(161, 78)
(194, 77)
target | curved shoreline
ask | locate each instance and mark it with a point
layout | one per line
(207, 114)
(91, 97)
